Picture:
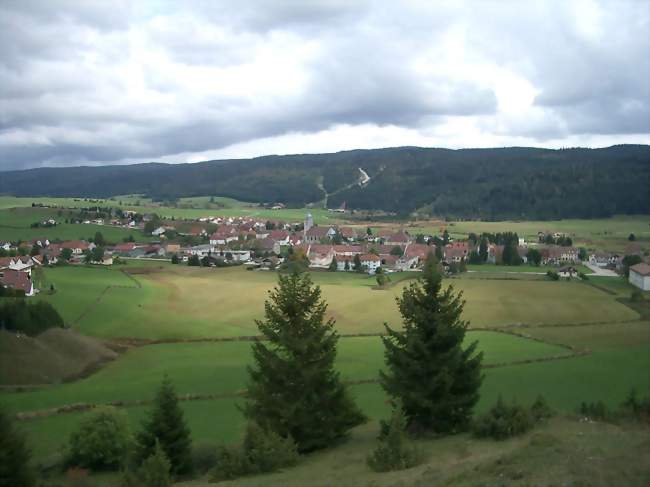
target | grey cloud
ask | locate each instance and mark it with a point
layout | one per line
(64, 98)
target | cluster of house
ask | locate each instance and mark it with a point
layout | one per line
(264, 244)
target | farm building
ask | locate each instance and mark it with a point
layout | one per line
(640, 276)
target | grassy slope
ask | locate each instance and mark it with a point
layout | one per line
(220, 368)
(52, 356)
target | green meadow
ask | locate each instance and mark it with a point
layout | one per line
(220, 368)
(15, 225)
(603, 233)
(186, 208)
(176, 302)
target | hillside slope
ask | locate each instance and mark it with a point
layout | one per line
(51, 357)
(503, 183)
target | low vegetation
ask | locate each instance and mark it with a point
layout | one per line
(28, 318)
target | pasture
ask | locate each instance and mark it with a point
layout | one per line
(15, 225)
(220, 368)
(185, 208)
(619, 360)
(176, 302)
(605, 233)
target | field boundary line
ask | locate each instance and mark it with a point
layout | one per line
(85, 407)
(91, 307)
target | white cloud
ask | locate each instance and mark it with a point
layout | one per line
(126, 82)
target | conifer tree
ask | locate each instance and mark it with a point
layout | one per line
(294, 389)
(14, 456)
(166, 424)
(429, 371)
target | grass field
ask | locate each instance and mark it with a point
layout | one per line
(187, 208)
(220, 368)
(605, 233)
(15, 225)
(565, 383)
(501, 269)
(183, 302)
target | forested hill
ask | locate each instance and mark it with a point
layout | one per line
(480, 183)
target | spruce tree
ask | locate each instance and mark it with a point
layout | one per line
(166, 424)
(14, 456)
(429, 371)
(294, 389)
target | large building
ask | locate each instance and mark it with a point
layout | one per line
(640, 276)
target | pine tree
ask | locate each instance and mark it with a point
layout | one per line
(436, 380)
(333, 265)
(14, 456)
(166, 424)
(294, 389)
(483, 249)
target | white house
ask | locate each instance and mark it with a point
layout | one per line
(158, 231)
(371, 262)
(640, 276)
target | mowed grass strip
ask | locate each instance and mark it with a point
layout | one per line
(180, 302)
(220, 368)
(79, 287)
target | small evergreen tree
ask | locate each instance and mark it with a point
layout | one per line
(483, 249)
(333, 265)
(429, 371)
(14, 455)
(394, 451)
(175, 259)
(155, 470)
(166, 424)
(357, 263)
(294, 389)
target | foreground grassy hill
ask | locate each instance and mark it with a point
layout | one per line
(576, 342)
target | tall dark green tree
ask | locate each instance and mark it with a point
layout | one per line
(483, 249)
(429, 371)
(166, 424)
(14, 456)
(294, 389)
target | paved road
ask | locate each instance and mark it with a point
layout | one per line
(599, 271)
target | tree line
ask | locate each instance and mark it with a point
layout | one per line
(492, 184)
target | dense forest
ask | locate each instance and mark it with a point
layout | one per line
(466, 183)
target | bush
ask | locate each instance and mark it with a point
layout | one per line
(103, 441)
(554, 276)
(503, 421)
(540, 410)
(204, 457)
(29, 318)
(635, 407)
(595, 410)
(263, 451)
(636, 296)
(394, 451)
(583, 276)
(154, 472)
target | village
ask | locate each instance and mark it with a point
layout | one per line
(269, 245)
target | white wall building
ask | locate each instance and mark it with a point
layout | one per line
(640, 276)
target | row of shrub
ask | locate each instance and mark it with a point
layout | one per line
(29, 318)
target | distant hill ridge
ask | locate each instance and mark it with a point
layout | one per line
(514, 182)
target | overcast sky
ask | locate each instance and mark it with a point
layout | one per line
(100, 82)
